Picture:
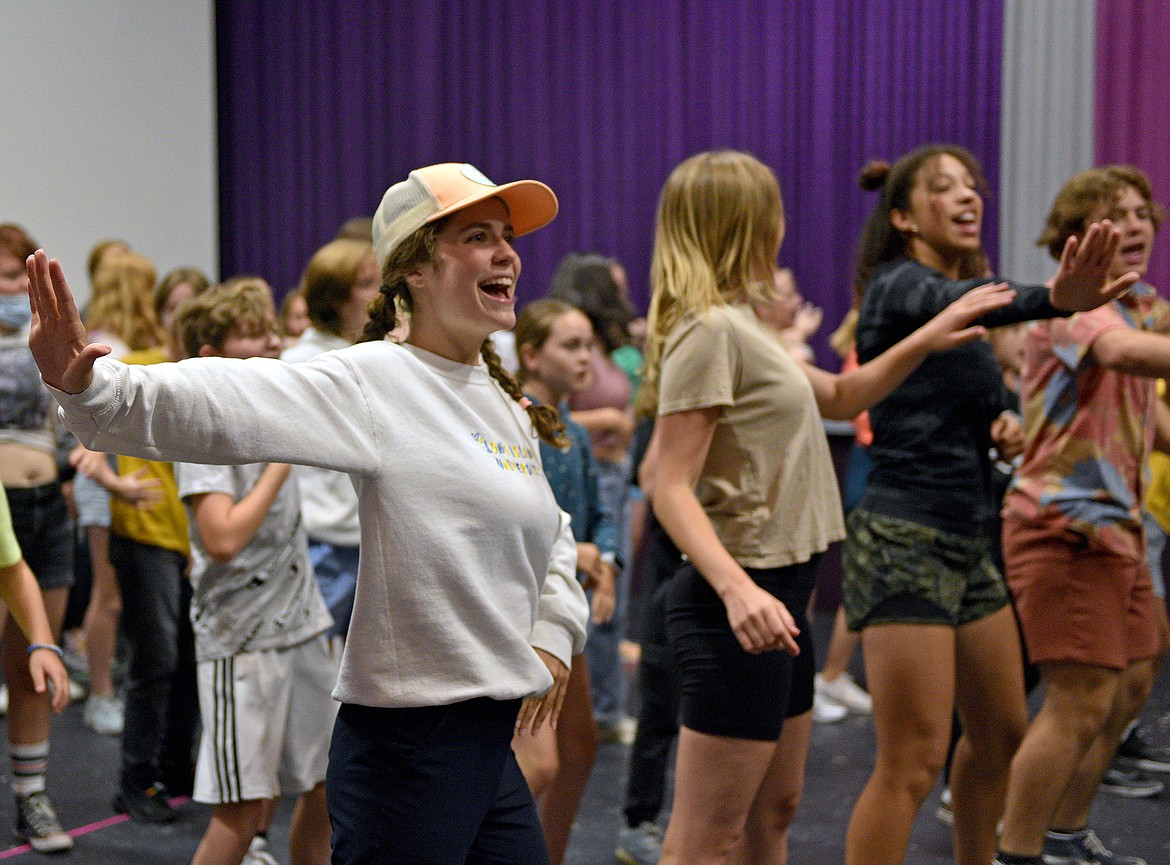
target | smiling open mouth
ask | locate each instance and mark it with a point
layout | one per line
(499, 287)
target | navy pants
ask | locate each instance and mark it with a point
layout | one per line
(435, 785)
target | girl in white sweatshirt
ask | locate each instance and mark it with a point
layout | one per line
(467, 602)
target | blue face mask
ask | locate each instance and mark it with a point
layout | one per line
(15, 312)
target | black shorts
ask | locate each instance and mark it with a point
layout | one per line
(725, 691)
(40, 519)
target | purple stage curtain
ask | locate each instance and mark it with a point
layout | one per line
(1133, 123)
(323, 105)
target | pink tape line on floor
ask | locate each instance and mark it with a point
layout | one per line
(85, 830)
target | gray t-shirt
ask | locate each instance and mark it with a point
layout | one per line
(265, 597)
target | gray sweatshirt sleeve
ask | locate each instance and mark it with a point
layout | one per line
(222, 411)
(562, 611)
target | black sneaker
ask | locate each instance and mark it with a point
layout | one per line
(1082, 848)
(145, 806)
(1130, 783)
(179, 780)
(37, 823)
(1139, 753)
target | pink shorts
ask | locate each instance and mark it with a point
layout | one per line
(1077, 601)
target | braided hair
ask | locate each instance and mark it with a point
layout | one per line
(545, 418)
(394, 295)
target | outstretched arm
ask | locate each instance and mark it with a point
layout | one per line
(844, 396)
(216, 410)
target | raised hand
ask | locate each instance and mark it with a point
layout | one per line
(57, 338)
(1081, 280)
(950, 328)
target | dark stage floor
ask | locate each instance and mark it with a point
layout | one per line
(83, 766)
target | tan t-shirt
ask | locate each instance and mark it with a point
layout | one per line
(768, 484)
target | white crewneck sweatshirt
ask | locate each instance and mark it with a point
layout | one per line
(467, 563)
(328, 501)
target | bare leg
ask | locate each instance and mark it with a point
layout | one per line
(233, 826)
(101, 616)
(309, 833)
(1078, 700)
(576, 746)
(716, 781)
(266, 811)
(842, 644)
(1072, 812)
(911, 674)
(989, 693)
(765, 839)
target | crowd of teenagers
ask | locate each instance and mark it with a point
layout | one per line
(374, 550)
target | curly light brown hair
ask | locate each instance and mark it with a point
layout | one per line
(1082, 196)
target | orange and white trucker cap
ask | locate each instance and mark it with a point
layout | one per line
(436, 191)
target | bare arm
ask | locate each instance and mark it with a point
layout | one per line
(607, 420)
(846, 395)
(19, 590)
(1136, 352)
(759, 620)
(133, 487)
(225, 526)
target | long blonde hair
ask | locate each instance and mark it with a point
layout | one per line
(719, 226)
(122, 302)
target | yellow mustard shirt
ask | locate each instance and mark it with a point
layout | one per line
(162, 525)
(1158, 496)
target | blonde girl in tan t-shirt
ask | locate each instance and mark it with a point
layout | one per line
(740, 759)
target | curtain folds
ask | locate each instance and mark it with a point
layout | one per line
(324, 105)
(1133, 123)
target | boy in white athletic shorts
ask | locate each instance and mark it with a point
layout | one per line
(265, 666)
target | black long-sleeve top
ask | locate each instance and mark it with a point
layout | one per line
(932, 435)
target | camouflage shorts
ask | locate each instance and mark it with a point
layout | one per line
(901, 571)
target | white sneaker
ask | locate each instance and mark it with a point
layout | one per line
(827, 711)
(78, 690)
(258, 853)
(641, 845)
(946, 809)
(104, 714)
(844, 691)
(622, 731)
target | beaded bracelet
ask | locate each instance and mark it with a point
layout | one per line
(34, 646)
